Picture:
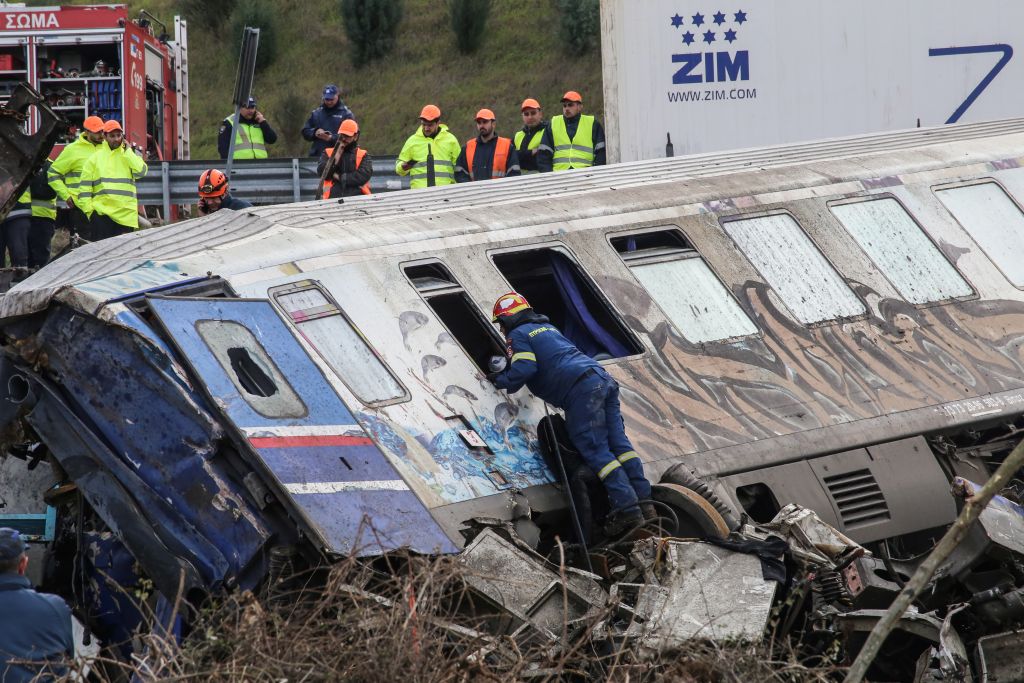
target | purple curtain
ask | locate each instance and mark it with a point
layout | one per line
(580, 326)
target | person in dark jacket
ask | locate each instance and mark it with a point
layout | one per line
(33, 626)
(255, 133)
(214, 195)
(572, 139)
(527, 139)
(486, 156)
(352, 174)
(44, 218)
(324, 121)
(557, 372)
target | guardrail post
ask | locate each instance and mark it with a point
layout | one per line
(165, 183)
(296, 190)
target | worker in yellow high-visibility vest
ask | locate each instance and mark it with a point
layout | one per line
(107, 194)
(252, 134)
(572, 139)
(65, 173)
(44, 218)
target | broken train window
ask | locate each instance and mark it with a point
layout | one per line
(682, 284)
(901, 250)
(458, 313)
(557, 287)
(791, 264)
(994, 220)
(246, 363)
(323, 324)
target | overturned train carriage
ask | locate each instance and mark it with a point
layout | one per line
(836, 324)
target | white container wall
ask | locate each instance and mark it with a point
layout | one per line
(728, 76)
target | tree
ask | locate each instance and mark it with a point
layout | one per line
(261, 14)
(469, 19)
(580, 25)
(371, 27)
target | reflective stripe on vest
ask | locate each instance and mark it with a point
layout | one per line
(44, 208)
(249, 143)
(24, 206)
(532, 145)
(328, 184)
(575, 153)
(500, 163)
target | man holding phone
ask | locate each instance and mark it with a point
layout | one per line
(252, 134)
(107, 190)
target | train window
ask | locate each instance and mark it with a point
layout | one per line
(328, 330)
(901, 250)
(246, 363)
(556, 287)
(457, 312)
(679, 281)
(994, 221)
(799, 273)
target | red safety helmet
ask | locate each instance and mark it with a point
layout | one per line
(212, 183)
(509, 304)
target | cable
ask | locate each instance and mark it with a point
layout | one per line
(568, 488)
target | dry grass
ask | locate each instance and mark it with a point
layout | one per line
(412, 620)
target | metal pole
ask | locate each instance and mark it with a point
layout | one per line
(568, 489)
(296, 190)
(231, 145)
(165, 182)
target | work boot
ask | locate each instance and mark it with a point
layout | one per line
(649, 511)
(621, 521)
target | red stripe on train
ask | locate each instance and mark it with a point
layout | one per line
(302, 441)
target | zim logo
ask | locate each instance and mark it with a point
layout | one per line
(718, 67)
(710, 65)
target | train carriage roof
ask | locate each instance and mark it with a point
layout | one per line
(229, 243)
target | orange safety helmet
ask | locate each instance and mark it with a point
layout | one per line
(212, 183)
(430, 112)
(93, 124)
(348, 127)
(509, 304)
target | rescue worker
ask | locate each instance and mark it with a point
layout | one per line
(214, 195)
(559, 373)
(527, 140)
(429, 155)
(324, 121)
(353, 171)
(66, 171)
(44, 218)
(251, 137)
(107, 194)
(572, 139)
(487, 155)
(33, 626)
(14, 231)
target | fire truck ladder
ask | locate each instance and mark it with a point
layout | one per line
(180, 47)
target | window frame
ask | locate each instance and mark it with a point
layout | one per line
(307, 284)
(935, 189)
(565, 250)
(858, 199)
(474, 304)
(666, 227)
(863, 315)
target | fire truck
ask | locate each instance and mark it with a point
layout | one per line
(95, 60)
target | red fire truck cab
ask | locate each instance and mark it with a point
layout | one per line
(93, 59)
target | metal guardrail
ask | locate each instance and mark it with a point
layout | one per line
(262, 181)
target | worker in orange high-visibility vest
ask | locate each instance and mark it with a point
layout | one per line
(487, 155)
(352, 170)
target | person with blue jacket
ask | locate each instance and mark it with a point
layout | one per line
(35, 628)
(322, 126)
(557, 372)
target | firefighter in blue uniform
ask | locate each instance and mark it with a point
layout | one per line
(559, 373)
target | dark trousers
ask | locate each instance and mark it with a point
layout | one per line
(104, 226)
(80, 224)
(594, 420)
(14, 233)
(40, 234)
